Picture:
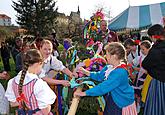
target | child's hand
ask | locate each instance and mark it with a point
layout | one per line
(136, 69)
(4, 75)
(75, 74)
(145, 71)
(79, 93)
(82, 69)
(65, 83)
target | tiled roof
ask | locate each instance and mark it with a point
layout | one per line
(4, 16)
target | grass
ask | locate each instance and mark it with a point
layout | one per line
(12, 73)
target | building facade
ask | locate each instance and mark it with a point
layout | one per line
(5, 20)
(68, 25)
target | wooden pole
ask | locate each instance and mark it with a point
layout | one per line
(75, 102)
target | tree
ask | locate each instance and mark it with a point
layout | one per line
(36, 16)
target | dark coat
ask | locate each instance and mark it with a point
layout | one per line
(154, 62)
(5, 52)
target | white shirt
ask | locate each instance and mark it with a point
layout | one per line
(42, 91)
(137, 61)
(133, 55)
(51, 63)
(4, 104)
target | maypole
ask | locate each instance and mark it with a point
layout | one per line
(90, 32)
(75, 102)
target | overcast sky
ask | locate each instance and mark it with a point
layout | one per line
(87, 7)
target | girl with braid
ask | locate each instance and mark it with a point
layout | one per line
(27, 91)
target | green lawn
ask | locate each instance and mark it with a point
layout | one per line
(12, 74)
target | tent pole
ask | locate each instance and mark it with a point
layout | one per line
(129, 3)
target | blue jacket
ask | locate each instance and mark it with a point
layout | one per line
(117, 84)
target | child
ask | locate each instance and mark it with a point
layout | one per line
(133, 50)
(4, 104)
(154, 63)
(19, 64)
(31, 94)
(52, 63)
(144, 48)
(119, 95)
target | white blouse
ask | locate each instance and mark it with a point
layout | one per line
(4, 104)
(51, 63)
(108, 71)
(42, 91)
(138, 61)
(135, 54)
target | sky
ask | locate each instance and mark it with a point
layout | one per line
(87, 7)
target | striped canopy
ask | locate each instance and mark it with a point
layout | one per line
(138, 17)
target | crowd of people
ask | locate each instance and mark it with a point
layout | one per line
(121, 81)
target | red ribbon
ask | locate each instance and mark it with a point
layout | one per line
(21, 98)
(156, 36)
(127, 67)
(137, 42)
(122, 66)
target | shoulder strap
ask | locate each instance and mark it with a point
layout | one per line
(138, 50)
(132, 55)
(50, 62)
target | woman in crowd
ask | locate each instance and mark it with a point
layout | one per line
(154, 63)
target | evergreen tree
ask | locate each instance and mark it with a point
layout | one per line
(37, 16)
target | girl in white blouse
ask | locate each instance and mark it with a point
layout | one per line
(27, 91)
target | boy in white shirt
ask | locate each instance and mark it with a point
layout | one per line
(52, 63)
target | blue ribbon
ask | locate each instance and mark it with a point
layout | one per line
(64, 95)
(59, 96)
(90, 84)
(73, 57)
